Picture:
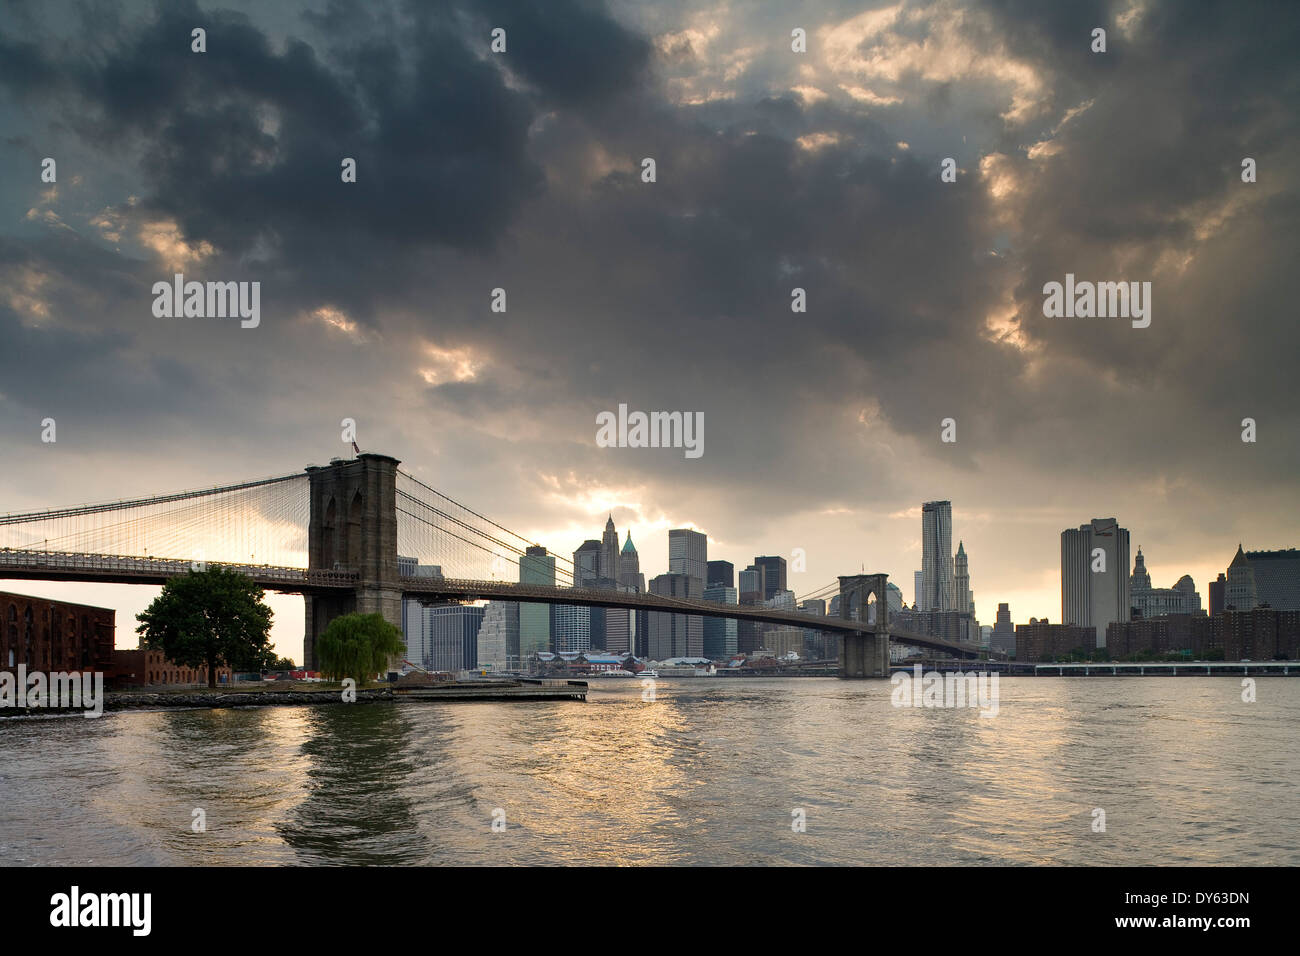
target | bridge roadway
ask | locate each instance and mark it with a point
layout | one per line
(119, 569)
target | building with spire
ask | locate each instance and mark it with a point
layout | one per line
(1147, 601)
(961, 577)
(608, 566)
(1241, 594)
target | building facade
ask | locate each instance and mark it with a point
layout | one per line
(937, 585)
(535, 567)
(1094, 576)
(53, 636)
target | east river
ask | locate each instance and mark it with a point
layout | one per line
(712, 771)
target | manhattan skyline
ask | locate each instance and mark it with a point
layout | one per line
(775, 170)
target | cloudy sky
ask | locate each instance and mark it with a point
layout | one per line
(775, 170)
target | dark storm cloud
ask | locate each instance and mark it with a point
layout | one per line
(522, 172)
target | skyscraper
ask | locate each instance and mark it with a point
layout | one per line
(608, 565)
(587, 563)
(773, 567)
(721, 635)
(723, 573)
(572, 629)
(936, 557)
(961, 582)
(688, 553)
(1241, 594)
(630, 578)
(675, 635)
(918, 587)
(1094, 576)
(498, 636)
(451, 637)
(535, 567)
(1004, 632)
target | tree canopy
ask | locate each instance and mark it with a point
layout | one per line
(214, 618)
(357, 646)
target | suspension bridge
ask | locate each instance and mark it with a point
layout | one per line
(333, 534)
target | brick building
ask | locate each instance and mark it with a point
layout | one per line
(1260, 634)
(53, 636)
(143, 666)
(1041, 641)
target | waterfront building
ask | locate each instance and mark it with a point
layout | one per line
(147, 667)
(46, 635)
(1040, 641)
(937, 584)
(1094, 576)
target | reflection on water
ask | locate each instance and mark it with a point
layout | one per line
(710, 772)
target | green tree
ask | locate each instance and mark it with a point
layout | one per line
(214, 618)
(357, 646)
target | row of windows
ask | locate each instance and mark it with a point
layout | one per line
(20, 641)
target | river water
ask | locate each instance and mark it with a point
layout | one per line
(712, 771)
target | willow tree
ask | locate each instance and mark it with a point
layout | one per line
(213, 618)
(357, 646)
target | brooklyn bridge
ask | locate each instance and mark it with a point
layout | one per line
(333, 534)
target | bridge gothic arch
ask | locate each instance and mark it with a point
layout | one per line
(864, 598)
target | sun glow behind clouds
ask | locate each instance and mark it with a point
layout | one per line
(449, 365)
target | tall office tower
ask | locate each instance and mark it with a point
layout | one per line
(723, 573)
(1004, 632)
(721, 635)
(1218, 594)
(535, 567)
(895, 595)
(572, 629)
(451, 634)
(675, 635)
(936, 557)
(631, 578)
(1095, 598)
(773, 573)
(688, 553)
(1241, 594)
(918, 586)
(586, 564)
(413, 630)
(1277, 578)
(750, 593)
(620, 628)
(961, 582)
(608, 567)
(1140, 580)
(498, 636)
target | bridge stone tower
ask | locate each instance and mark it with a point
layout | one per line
(353, 527)
(865, 598)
